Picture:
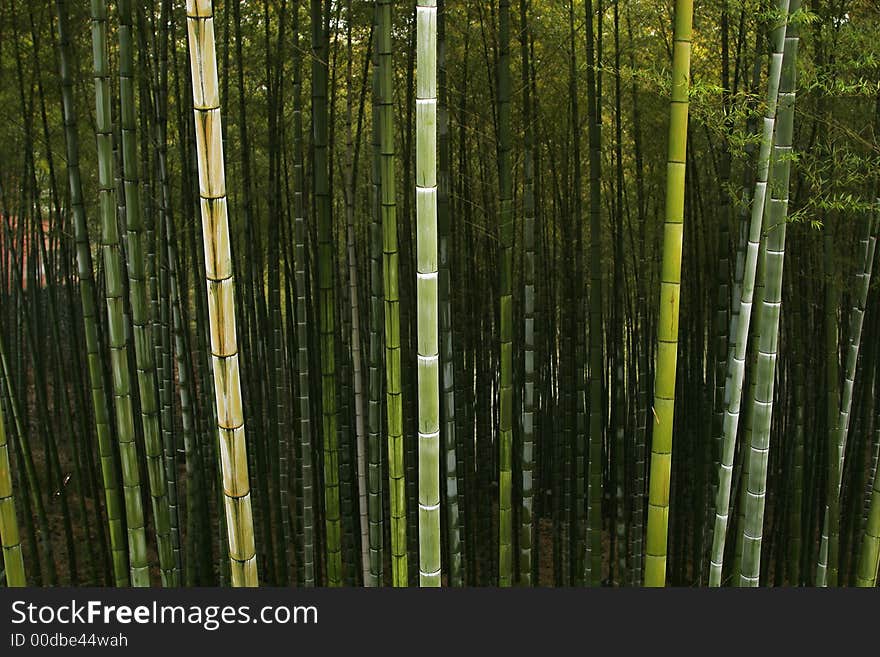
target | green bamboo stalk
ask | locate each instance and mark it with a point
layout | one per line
(13, 562)
(740, 337)
(114, 291)
(134, 245)
(221, 300)
(393, 394)
(768, 314)
(667, 326)
(869, 555)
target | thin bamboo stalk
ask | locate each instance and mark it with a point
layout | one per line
(393, 393)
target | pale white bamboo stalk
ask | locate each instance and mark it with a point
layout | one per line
(426, 293)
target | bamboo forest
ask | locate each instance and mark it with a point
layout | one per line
(496, 293)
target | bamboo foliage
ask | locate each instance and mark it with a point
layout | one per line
(220, 287)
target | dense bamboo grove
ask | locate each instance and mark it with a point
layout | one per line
(439, 293)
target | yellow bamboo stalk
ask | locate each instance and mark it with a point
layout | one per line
(221, 298)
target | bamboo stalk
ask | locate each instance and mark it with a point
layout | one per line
(221, 302)
(667, 326)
